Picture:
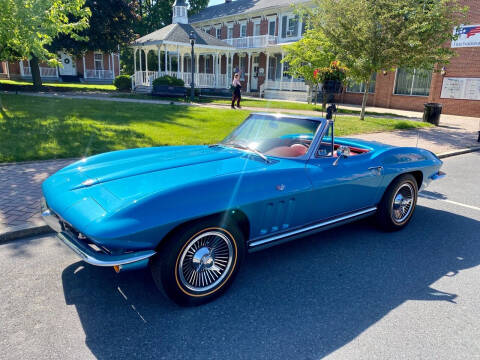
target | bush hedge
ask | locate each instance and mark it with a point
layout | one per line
(168, 80)
(123, 82)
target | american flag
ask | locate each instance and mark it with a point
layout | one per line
(469, 30)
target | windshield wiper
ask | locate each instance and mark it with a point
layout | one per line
(249, 148)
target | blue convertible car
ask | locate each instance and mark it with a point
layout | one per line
(192, 212)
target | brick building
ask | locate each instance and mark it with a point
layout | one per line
(93, 66)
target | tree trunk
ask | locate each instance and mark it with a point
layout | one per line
(364, 100)
(35, 69)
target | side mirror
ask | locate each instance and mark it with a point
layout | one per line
(342, 152)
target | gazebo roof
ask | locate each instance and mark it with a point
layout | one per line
(179, 34)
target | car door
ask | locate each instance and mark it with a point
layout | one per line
(350, 184)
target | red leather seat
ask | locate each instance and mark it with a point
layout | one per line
(294, 150)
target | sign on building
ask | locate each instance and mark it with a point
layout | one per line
(461, 88)
(468, 36)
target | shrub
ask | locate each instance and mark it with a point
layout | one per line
(168, 80)
(123, 82)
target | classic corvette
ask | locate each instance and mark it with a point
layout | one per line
(191, 213)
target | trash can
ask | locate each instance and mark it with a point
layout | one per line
(432, 113)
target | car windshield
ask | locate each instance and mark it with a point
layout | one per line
(273, 135)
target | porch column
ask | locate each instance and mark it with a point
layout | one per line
(281, 72)
(158, 60)
(21, 68)
(166, 58)
(146, 61)
(249, 71)
(8, 69)
(178, 63)
(140, 51)
(266, 70)
(214, 69)
(85, 70)
(113, 65)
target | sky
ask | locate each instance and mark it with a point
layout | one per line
(215, 2)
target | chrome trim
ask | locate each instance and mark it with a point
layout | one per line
(50, 218)
(438, 175)
(312, 227)
(87, 254)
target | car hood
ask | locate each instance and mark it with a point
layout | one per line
(115, 179)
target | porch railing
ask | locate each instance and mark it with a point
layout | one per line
(202, 80)
(253, 41)
(98, 74)
(44, 71)
(286, 84)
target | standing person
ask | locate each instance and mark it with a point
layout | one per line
(237, 85)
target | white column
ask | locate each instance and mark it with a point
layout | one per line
(134, 67)
(113, 65)
(140, 51)
(266, 70)
(146, 61)
(249, 71)
(158, 60)
(181, 63)
(21, 67)
(281, 72)
(85, 70)
(166, 58)
(109, 63)
(8, 70)
(178, 63)
(214, 70)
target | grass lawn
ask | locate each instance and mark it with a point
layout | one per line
(72, 86)
(44, 128)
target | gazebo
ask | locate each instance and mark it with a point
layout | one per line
(213, 57)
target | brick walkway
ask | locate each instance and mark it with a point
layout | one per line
(20, 191)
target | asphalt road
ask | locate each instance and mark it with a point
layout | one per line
(349, 293)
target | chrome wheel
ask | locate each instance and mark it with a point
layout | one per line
(205, 261)
(403, 203)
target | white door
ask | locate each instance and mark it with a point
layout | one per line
(68, 65)
(255, 67)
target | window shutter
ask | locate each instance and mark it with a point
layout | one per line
(295, 30)
(284, 27)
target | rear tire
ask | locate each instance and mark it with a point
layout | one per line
(199, 261)
(398, 203)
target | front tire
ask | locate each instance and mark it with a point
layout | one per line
(398, 203)
(199, 262)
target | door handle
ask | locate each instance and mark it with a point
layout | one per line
(378, 169)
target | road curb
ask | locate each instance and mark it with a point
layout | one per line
(458, 152)
(23, 231)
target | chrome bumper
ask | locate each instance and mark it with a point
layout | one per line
(85, 251)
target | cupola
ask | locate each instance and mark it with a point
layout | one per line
(180, 12)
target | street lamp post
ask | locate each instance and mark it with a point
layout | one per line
(192, 38)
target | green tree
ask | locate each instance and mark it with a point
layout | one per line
(112, 23)
(28, 27)
(369, 36)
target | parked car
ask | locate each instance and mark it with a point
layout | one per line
(192, 212)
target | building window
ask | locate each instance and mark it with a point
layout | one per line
(256, 29)
(413, 82)
(290, 26)
(98, 61)
(355, 87)
(218, 33)
(230, 32)
(243, 30)
(243, 67)
(271, 27)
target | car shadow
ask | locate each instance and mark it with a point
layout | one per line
(304, 299)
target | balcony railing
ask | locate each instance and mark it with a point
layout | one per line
(285, 84)
(253, 41)
(202, 80)
(99, 74)
(44, 71)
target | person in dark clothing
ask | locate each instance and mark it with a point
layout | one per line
(237, 86)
